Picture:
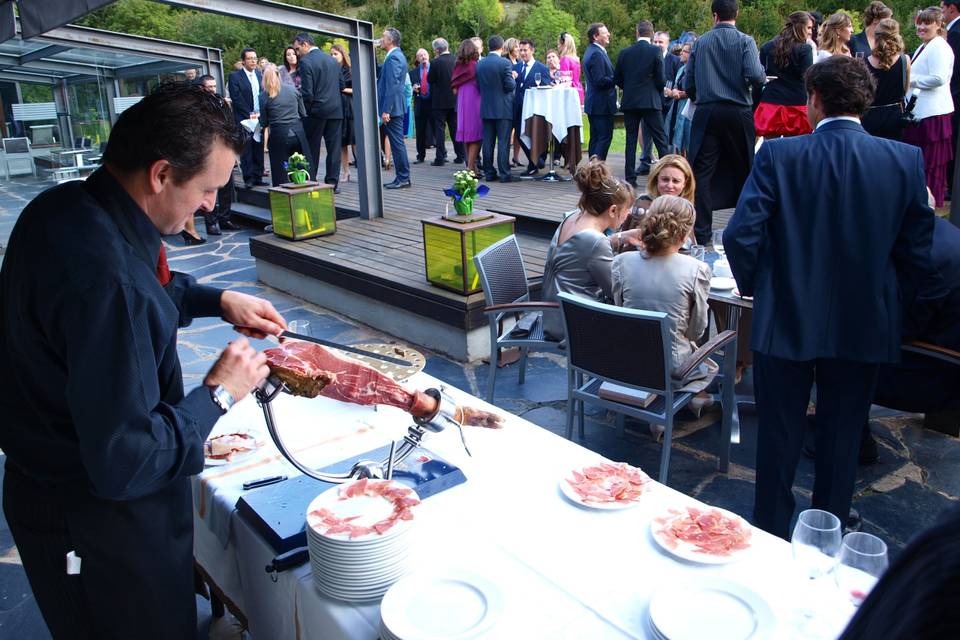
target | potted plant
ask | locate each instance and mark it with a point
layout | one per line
(296, 166)
(466, 188)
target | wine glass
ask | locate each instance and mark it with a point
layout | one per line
(536, 78)
(816, 542)
(699, 252)
(863, 559)
(718, 243)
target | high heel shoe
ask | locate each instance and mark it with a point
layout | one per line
(190, 240)
(388, 164)
(345, 176)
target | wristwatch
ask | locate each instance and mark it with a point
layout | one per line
(222, 398)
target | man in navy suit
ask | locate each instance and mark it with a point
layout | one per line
(496, 85)
(951, 21)
(832, 229)
(245, 85)
(640, 74)
(526, 71)
(600, 103)
(320, 87)
(391, 104)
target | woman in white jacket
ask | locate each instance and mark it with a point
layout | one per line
(930, 73)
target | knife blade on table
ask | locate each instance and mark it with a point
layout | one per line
(347, 348)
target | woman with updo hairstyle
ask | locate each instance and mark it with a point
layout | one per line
(930, 73)
(783, 105)
(659, 278)
(580, 254)
(835, 33)
(890, 67)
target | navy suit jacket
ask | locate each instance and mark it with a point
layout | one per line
(828, 227)
(525, 83)
(640, 74)
(601, 98)
(393, 74)
(953, 39)
(320, 85)
(241, 95)
(496, 84)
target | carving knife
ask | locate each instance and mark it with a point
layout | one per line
(347, 348)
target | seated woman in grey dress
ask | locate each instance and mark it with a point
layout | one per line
(659, 278)
(579, 255)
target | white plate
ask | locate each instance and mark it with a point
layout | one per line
(574, 497)
(724, 610)
(722, 284)
(368, 510)
(451, 605)
(687, 551)
(237, 457)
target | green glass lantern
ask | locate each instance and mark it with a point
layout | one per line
(449, 245)
(301, 213)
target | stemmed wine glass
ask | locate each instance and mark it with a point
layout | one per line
(863, 559)
(718, 243)
(536, 78)
(816, 542)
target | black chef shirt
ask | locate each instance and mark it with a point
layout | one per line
(91, 393)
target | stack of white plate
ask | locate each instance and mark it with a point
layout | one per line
(440, 605)
(710, 608)
(361, 564)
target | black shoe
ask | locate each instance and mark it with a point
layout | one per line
(213, 229)
(632, 182)
(226, 223)
(541, 164)
(418, 161)
(507, 179)
(854, 522)
(190, 240)
(531, 172)
(336, 189)
(643, 169)
(439, 162)
(459, 161)
(247, 184)
(487, 178)
(405, 184)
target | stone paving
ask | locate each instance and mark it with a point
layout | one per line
(915, 479)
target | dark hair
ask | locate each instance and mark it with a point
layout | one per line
(955, 3)
(529, 42)
(467, 52)
(593, 30)
(203, 79)
(243, 54)
(286, 64)
(644, 29)
(725, 9)
(844, 84)
(494, 42)
(305, 38)
(343, 53)
(877, 11)
(599, 188)
(793, 34)
(179, 123)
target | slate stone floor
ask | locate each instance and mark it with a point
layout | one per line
(915, 479)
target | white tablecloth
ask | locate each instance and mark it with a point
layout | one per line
(567, 572)
(560, 106)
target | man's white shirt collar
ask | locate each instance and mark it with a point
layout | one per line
(950, 24)
(835, 118)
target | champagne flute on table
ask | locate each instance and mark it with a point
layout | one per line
(537, 79)
(815, 542)
(863, 559)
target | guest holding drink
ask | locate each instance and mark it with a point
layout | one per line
(890, 67)
(553, 65)
(864, 42)
(783, 105)
(658, 277)
(569, 62)
(579, 256)
(931, 69)
(464, 83)
(678, 122)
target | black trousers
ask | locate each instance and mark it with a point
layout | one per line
(330, 132)
(446, 118)
(782, 387)
(251, 160)
(136, 574)
(652, 120)
(496, 133)
(284, 141)
(722, 137)
(601, 135)
(423, 124)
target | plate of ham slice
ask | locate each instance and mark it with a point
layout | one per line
(227, 448)
(605, 485)
(702, 534)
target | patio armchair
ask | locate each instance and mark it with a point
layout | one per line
(506, 294)
(631, 348)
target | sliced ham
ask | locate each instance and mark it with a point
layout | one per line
(609, 483)
(708, 531)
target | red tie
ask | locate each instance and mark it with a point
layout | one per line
(424, 86)
(163, 269)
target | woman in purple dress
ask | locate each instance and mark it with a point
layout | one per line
(464, 83)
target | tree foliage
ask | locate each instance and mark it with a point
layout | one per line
(544, 24)
(481, 16)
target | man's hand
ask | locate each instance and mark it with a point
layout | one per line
(385, 117)
(253, 317)
(239, 369)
